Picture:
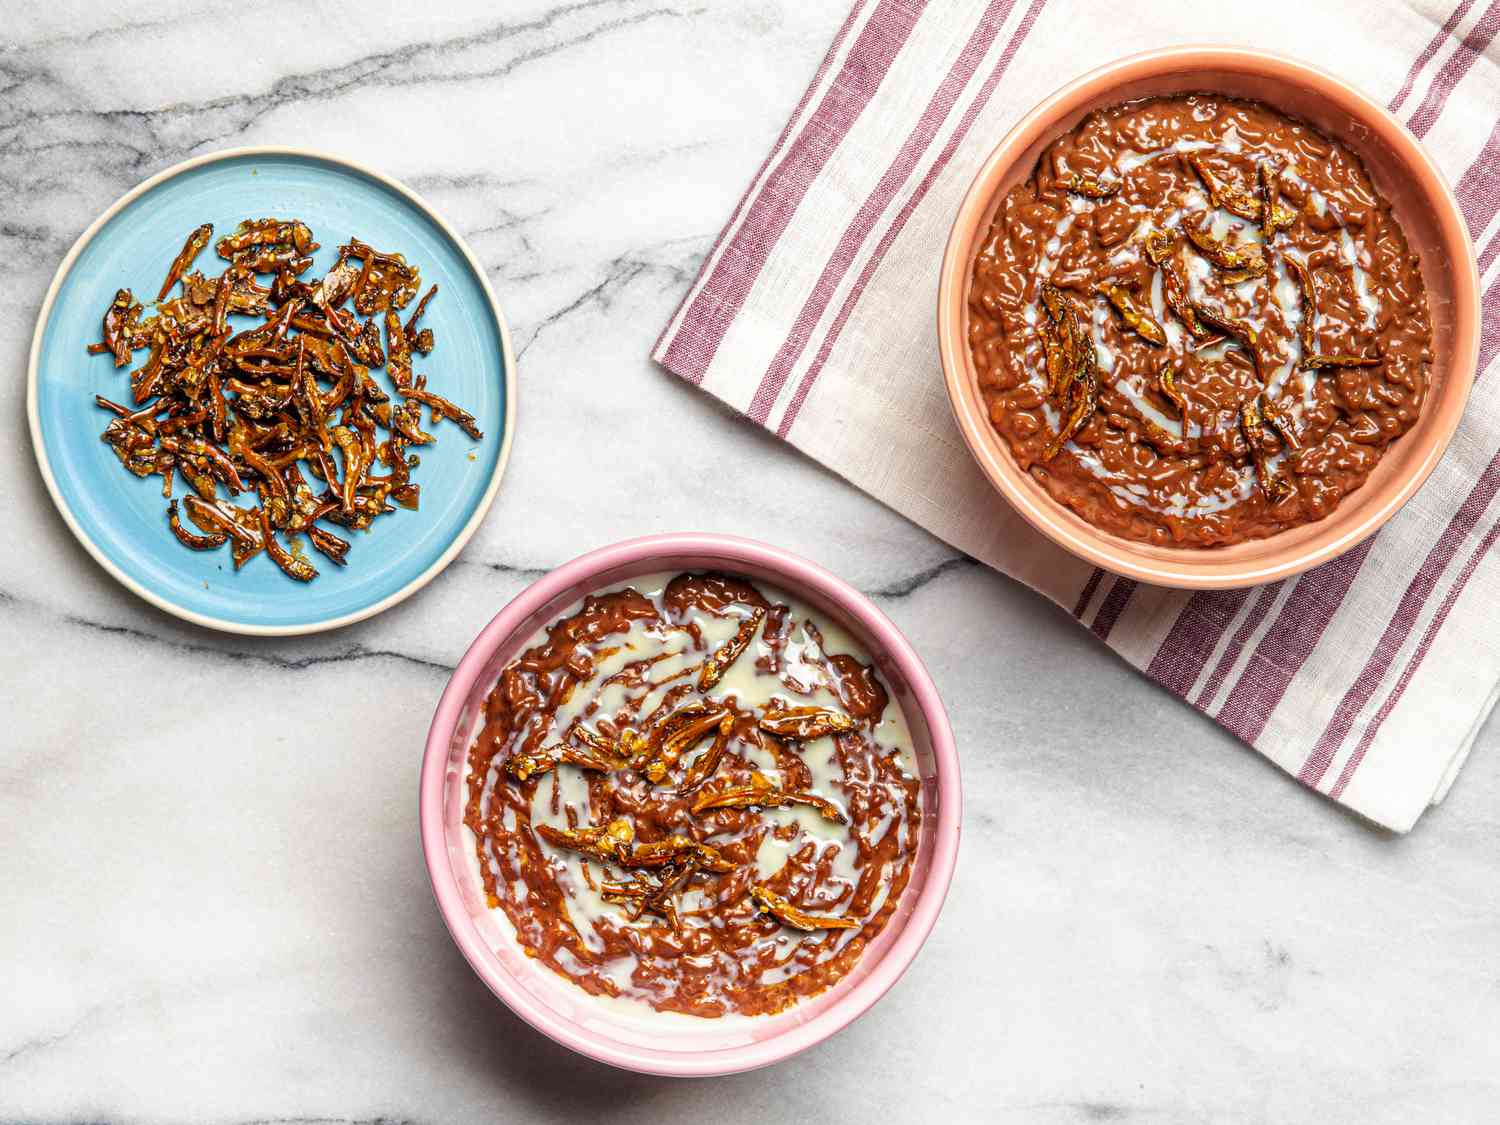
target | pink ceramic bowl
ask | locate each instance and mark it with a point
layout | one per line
(674, 1044)
(1423, 204)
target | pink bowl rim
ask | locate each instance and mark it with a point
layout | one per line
(1181, 570)
(798, 575)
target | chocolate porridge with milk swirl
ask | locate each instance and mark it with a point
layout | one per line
(1198, 322)
(694, 793)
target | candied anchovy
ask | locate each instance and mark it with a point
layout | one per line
(597, 753)
(681, 739)
(1066, 357)
(1225, 195)
(1091, 186)
(1084, 402)
(761, 793)
(1341, 360)
(644, 894)
(210, 542)
(218, 463)
(354, 465)
(1273, 216)
(292, 234)
(615, 843)
(704, 765)
(727, 653)
(1276, 488)
(525, 766)
(1246, 204)
(407, 421)
(214, 521)
(1057, 359)
(190, 250)
(1141, 323)
(1166, 382)
(420, 340)
(330, 545)
(1231, 328)
(441, 408)
(1242, 334)
(300, 569)
(119, 323)
(1306, 330)
(1243, 262)
(385, 281)
(1159, 248)
(769, 902)
(1280, 421)
(223, 403)
(641, 749)
(803, 724)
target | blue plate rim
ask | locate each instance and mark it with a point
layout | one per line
(38, 445)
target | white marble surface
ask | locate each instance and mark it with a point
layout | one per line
(211, 920)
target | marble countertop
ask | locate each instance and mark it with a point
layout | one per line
(230, 922)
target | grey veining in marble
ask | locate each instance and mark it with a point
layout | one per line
(225, 920)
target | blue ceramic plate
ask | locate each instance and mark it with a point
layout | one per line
(121, 518)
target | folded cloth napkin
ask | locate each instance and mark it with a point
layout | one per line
(814, 315)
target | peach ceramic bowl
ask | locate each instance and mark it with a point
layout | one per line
(668, 1043)
(1423, 204)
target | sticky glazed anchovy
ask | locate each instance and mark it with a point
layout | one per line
(249, 411)
(695, 794)
(1198, 323)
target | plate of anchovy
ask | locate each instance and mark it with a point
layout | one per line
(271, 391)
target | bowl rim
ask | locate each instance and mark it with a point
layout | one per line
(798, 575)
(1184, 568)
(225, 625)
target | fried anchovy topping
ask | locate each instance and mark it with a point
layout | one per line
(803, 724)
(1280, 421)
(769, 902)
(295, 567)
(1273, 216)
(1245, 204)
(1241, 334)
(1341, 360)
(293, 236)
(727, 653)
(704, 765)
(1239, 263)
(118, 328)
(1072, 365)
(1090, 186)
(583, 748)
(190, 250)
(1276, 488)
(1166, 382)
(1084, 401)
(669, 743)
(1137, 320)
(647, 894)
(210, 542)
(1307, 328)
(420, 339)
(761, 793)
(1160, 247)
(244, 410)
(615, 843)
(329, 544)
(441, 408)
(1066, 342)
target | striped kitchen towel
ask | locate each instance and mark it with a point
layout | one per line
(1367, 678)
